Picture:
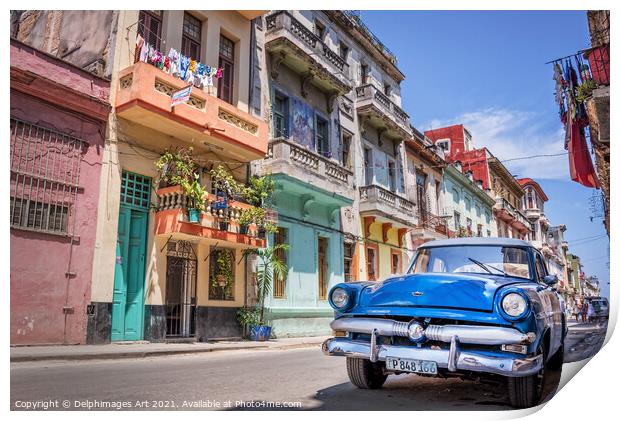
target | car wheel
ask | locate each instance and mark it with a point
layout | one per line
(365, 374)
(526, 392)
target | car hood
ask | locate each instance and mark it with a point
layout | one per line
(458, 291)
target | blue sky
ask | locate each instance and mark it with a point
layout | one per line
(486, 69)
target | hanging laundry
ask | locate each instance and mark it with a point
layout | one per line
(144, 52)
(184, 67)
(175, 64)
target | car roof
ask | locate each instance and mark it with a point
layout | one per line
(478, 241)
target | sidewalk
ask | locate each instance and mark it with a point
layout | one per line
(146, 349)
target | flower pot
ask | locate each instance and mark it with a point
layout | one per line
(260, 333)
(223, 225)
(243, 229)
(194, 215)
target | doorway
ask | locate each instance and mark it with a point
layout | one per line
(128, 293)
(180, 290)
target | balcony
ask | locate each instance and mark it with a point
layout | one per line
(205, 121)
(377, 201)
(506, 212)
(430, 227)
(379, 111)
(171, 219)
(296, 46)
(287, 157)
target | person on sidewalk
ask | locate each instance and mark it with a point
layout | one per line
(584, 311)
(591, 313)
(577, 310)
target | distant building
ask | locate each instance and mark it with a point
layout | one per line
(497, 181)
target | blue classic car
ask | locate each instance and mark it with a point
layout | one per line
(479, 308)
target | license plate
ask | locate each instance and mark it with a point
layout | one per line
(411, 366)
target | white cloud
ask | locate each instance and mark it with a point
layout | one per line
(510, 134)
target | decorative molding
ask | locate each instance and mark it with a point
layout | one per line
(385, 228)
(276, 61)
(332, 97)
(306, 201)
(231, 118)
(368, 221)
(401, 234)
(126, 81)
(305, 82)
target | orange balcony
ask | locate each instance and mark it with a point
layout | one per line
(171, 219)
(144, 97)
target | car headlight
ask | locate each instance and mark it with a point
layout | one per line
(514, 304)
(340, 298)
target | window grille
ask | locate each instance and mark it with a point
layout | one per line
(45, 175)
(279, 284)
(136, 190)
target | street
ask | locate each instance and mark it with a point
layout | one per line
(298, 378)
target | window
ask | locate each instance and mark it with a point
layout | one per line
(227, 63)
(149, 27)
(280, 115)
(368, 174)
(319, 30)
(396, 266)
(443, 144)
(344, 51)
(346, 149)
(541, 271)
(392, 175)
(488, 233)
(371, 263)
(479, 230)
(364, 70)
(457, 220)
(322, 137)
(349, 250)
(322, 268)
(192, 35)
(222, 274)
(387, 89)
(44, 183)
(279, 284)
(445, 259)
(469, 225)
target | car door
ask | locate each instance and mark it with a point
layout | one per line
(551, 305)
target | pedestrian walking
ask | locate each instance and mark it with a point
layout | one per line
(584, 311)
(591, 313)
(577, 310)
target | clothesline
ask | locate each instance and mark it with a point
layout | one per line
(178, 65)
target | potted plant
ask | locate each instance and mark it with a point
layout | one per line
(248, 316)
(223, 274)
(195, 198)
(174, 167)
(248, 216)
(269, 265)
(259, 190)
(224, 182)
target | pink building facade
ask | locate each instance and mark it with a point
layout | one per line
(59, 114)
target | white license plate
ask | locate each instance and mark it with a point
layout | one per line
(411, 366)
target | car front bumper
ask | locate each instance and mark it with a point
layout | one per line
(453, 359)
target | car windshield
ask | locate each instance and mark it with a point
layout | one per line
(488, 260)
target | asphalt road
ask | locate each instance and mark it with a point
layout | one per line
(300, 379)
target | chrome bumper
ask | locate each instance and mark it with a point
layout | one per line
(453, 359)
(478, 335)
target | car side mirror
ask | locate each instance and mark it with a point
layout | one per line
(550, 280)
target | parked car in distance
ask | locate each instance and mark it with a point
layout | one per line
(479, 308)
(601, 308)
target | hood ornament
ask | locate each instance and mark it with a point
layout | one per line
(417, 293)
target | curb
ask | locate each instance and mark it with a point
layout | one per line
(146, 354)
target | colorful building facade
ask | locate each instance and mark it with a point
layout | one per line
(58, 122)
(470, 207)
(162, 277)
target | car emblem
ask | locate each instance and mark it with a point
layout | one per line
(417, 293)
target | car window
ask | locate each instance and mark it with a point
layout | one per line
(486, 260)
(540, 267)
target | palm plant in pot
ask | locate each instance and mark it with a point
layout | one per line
(269, 266)
(176, 166)
(195, 198)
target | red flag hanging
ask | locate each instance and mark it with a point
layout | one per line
(580, 162)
